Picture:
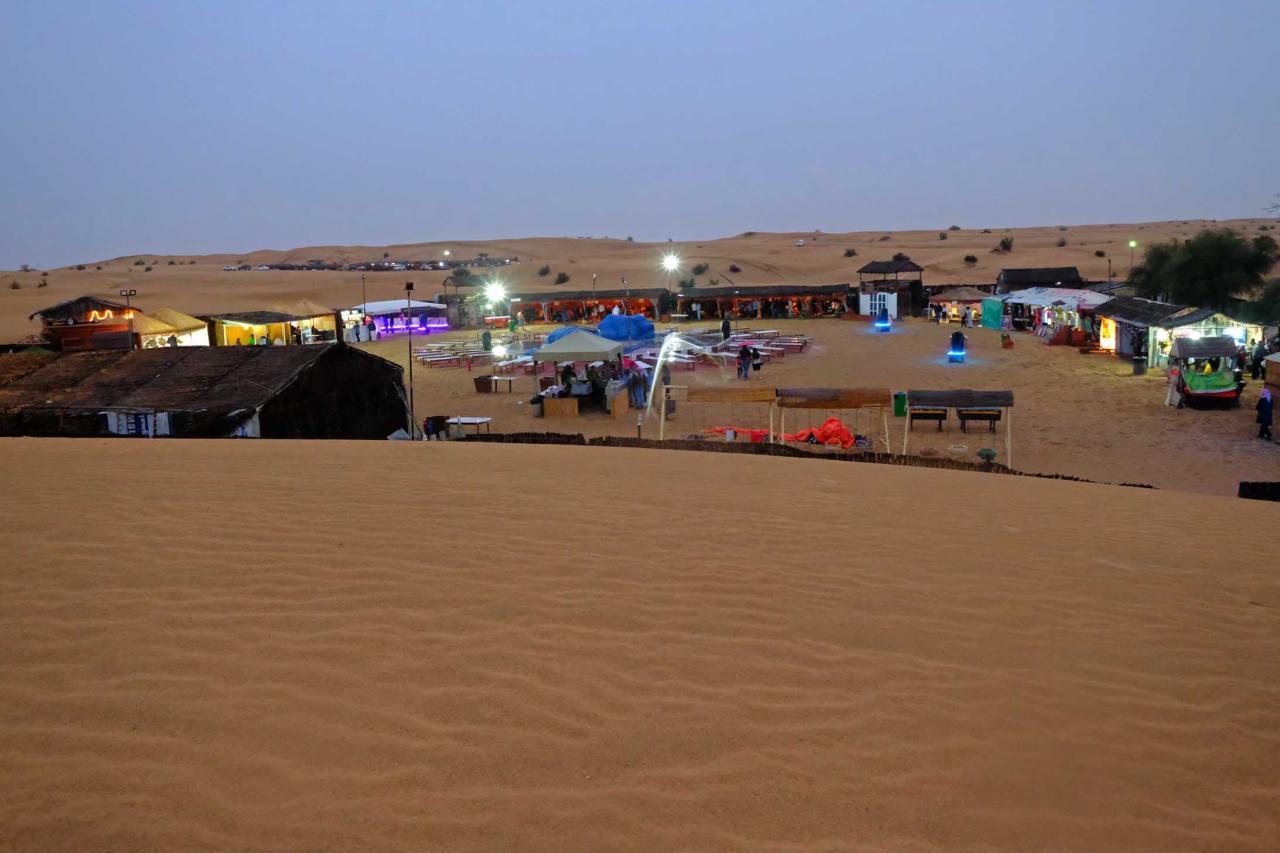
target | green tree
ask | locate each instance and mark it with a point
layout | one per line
(1207, 270)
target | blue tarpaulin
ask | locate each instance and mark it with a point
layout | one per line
(625, 327)
(566, 330)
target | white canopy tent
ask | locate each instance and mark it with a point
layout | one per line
(1057, 297)
(579, 346)
(391, 306)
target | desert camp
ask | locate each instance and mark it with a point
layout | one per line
(759, 428)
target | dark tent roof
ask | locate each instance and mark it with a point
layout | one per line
(1216, 347)
(79, 305)
(650, 293)
(1190, 317)
(1045, 276)
(253, 318)
(748, 291)
(890, 267)
(169, 378)
(1137, 311)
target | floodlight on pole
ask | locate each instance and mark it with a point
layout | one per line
(670, 262)
(128, 296)
(495, 293)
(413, 418)
(1133, 244)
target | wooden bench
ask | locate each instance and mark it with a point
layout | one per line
(926, 413)
(990, 416)
(441, 360)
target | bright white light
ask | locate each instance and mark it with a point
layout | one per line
(495, 293)
(670, 263)
(446, 253)
(500, 351)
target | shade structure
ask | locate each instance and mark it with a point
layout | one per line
(1215, 347)
(1057, 297)
(148, 325)
(579, 346)
(958, 294)
(179, 321)
(301, 308)
(392, 306)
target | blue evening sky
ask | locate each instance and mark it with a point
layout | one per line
(185, 127)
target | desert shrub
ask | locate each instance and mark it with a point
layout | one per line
(743, 234)
(172, 262)
(734, 268)
(986, 230)
(970, 259)
(15, 285)
(700, 269)
(942, 235)
(146, 269)
(1062, 241)
(43, 283)
(1062, 228)
(686, 284)
(1099, 254)
(562, 277)
(193, 263)
(1265, 228)
(851, 253)
(1005, 245)
(544, 271)
(98, 267)
(901, 256)
(80, 266)
(139, 263)
(25, 268)
(631, 239)
(885, 238)
(954, 228)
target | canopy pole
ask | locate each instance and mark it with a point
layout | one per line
(1008, 438)
(662, 416)
(884, 416)
(773, 405)
(906, 430)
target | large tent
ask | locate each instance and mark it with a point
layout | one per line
(581, 345)
(190, 331)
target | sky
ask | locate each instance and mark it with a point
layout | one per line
(197, 127)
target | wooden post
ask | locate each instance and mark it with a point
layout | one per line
(1008, 437)
(884, 416)
(906, 430)
(772, 406)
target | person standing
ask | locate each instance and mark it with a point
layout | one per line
(1264, 407)
(725, 328)
(744, 362)
(1174, 396)
(1259, 356)
(697, 311)
(757, 360)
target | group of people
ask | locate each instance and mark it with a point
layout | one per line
(749, 359)
(632, 376)
(939, 314)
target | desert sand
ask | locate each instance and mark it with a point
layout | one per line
(762, 258)
(386, 646)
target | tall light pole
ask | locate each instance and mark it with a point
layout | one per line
(1133, 244)
(128, 295)
(364, 295)
(413, 418)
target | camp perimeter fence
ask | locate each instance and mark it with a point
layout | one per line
(783, 450)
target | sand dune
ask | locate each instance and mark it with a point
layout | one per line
(284, 646)
(762, 258)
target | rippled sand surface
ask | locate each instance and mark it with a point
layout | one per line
(381, 646)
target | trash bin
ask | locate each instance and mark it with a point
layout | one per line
(900, 404)
(535, 406)
(1139, 365)
(484, 384)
